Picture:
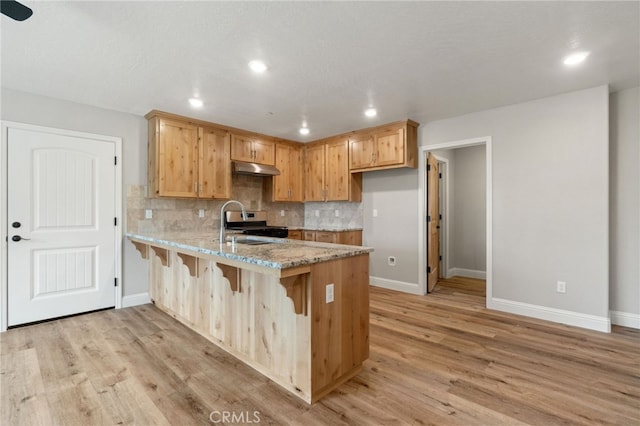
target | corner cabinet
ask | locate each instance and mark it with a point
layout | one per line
(387, 147)
(187, 160)
(252, 150)
(327, 173)
(288, 185)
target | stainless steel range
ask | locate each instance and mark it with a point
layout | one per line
(256, 224)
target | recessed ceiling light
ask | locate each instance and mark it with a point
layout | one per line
(257, 66)
(196, 103)
(304, 130)
(575, 58)
(370, 112)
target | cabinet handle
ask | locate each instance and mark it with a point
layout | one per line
(195, 187)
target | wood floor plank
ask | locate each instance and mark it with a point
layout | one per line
(441, 359)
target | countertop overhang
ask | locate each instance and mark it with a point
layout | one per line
(281, 254)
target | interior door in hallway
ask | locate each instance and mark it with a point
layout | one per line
(433, 222)
(61, 230)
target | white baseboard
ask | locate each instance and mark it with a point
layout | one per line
(577, 319)
(625, 319)
(405, 287)
(135, 300)
(469, 273)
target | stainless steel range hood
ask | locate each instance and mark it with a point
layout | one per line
(254, 169)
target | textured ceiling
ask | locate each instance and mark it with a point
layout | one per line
(328, 60)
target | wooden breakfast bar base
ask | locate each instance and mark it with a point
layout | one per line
(277, 321)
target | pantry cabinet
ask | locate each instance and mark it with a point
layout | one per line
(327, 172)
(187, 160)
(288, 186)
(252, 149)
(386, 147)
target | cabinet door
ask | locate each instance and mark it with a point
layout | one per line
(326, 237)
(264, 152)
(309, 235)
(295, 235)
(361, 152)
(281, 183)
(337, 171)
(177, 159)
(241, 148)
(296, 174)
(214, 167)
(352, 238)
(314, 173)
(389, 147)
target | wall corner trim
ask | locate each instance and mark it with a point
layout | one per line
(625, 319)
(577, 319)
(405, 287)
(135, 300)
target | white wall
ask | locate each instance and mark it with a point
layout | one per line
(394, 194)
(43, 111)
(468, 209)
(624, 162)
(550, 197)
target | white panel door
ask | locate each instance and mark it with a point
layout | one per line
(61, 209)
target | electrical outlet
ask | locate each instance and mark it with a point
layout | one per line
(337, 213)
(317, 213)
(375, 212)
(561, 287)
(148, 214)
(329, 293)
(281, 212)
(391, 261)
(201, 213)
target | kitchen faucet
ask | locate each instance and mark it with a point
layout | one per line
(244, 217)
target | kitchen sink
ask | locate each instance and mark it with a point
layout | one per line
(253, 242)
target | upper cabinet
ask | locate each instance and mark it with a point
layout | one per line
(288, 185)
(327, 172)
(252, 150)
(214, 172)
(386, 147)
(187, 160)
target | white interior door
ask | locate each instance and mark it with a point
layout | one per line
(61, 236)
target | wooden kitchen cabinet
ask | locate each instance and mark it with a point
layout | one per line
(214, 171)
(327, 175)
(187, 160)
(386, 147)
(295, 234)
(288, 185)
(353, 238)
(252, 150)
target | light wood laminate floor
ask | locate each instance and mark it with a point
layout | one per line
(440, 359)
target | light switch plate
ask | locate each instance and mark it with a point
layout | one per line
(148, 214)
(375, 212)
(337, 213)
(281, 212)
(201, 213)
(329, 293)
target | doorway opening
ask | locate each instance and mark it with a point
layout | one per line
(462, 220)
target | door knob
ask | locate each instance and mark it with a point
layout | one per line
(16, 224)
(17, 238)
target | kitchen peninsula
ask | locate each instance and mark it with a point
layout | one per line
(296, 311)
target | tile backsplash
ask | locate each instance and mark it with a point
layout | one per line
(323, 215)
(174, 214)
(171, 214)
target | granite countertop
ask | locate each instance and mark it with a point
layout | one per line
(282, 253)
